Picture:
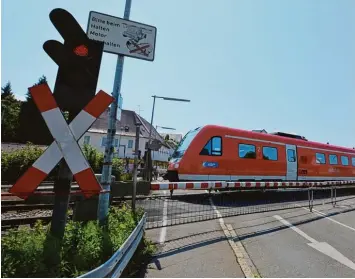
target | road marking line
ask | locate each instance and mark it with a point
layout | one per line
(322, 247)
(241, 254)
(165, 221)
(297, 230)
(319, 213)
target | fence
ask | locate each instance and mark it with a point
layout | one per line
(116, 264)
(181, 208)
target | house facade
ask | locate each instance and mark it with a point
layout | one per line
(125, 137)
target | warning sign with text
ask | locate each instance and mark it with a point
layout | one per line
(122, 36)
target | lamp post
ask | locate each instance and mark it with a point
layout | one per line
(164, 128)
(150, 129)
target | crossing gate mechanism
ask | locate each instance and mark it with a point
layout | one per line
(65, 143)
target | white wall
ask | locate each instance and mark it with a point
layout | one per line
(96, 141)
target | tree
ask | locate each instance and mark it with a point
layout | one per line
(6, 90)
(167, 137)
(10, 112)
(32, 126)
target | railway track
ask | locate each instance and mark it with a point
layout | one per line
(15, 213)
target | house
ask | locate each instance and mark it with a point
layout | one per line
(124, 140)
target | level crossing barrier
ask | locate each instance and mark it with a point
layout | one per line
(239, 184)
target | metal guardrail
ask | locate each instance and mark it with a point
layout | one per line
(117, 263)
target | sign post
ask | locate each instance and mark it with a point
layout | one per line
(125, 38)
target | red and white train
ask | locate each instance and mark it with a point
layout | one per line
(224, 154)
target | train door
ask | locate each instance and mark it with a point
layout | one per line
(291, 159)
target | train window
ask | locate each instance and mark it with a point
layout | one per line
(291, 155)
(247, 151)
(320, 158)
(353, 161)
(344, 160)
(213, 147)
(217, 146)
(270, 153)
(333, 159)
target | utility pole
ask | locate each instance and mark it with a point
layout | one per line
(136, 149)
(104, 198)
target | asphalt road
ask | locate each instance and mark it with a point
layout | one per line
(291, 242)
(315, 246)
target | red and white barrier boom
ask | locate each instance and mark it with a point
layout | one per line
(65, 143)
(243, 185)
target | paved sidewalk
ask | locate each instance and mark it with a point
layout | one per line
(193, 250)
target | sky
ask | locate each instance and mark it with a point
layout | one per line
(248, 64)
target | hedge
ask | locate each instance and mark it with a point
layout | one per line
(15, 163)
(85, 246)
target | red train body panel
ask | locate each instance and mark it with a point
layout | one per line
(221, 153)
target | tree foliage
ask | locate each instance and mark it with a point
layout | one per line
(32, 126)
(10, 112)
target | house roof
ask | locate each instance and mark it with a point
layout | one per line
(128, 119)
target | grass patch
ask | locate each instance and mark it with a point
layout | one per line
(85, 246)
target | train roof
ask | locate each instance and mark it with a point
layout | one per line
(280, 137)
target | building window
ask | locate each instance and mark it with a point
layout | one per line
(291, 155)
(353, 161)
(320, 158)
(130, 144)
(270, 153)
(116, 143)
(103, 141)
(247, 151)
(344, 160)
(213, 147)
(333, 159)
(86, 139)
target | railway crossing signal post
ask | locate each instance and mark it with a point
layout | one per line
(79, 60)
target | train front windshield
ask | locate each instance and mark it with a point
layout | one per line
(184, 144)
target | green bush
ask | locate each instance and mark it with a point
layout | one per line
(85, 246)
(127, 177)
(94, 157)
(15, 163)
(117, 168)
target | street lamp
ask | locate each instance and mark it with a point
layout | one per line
(151, 121)
(164, 128)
